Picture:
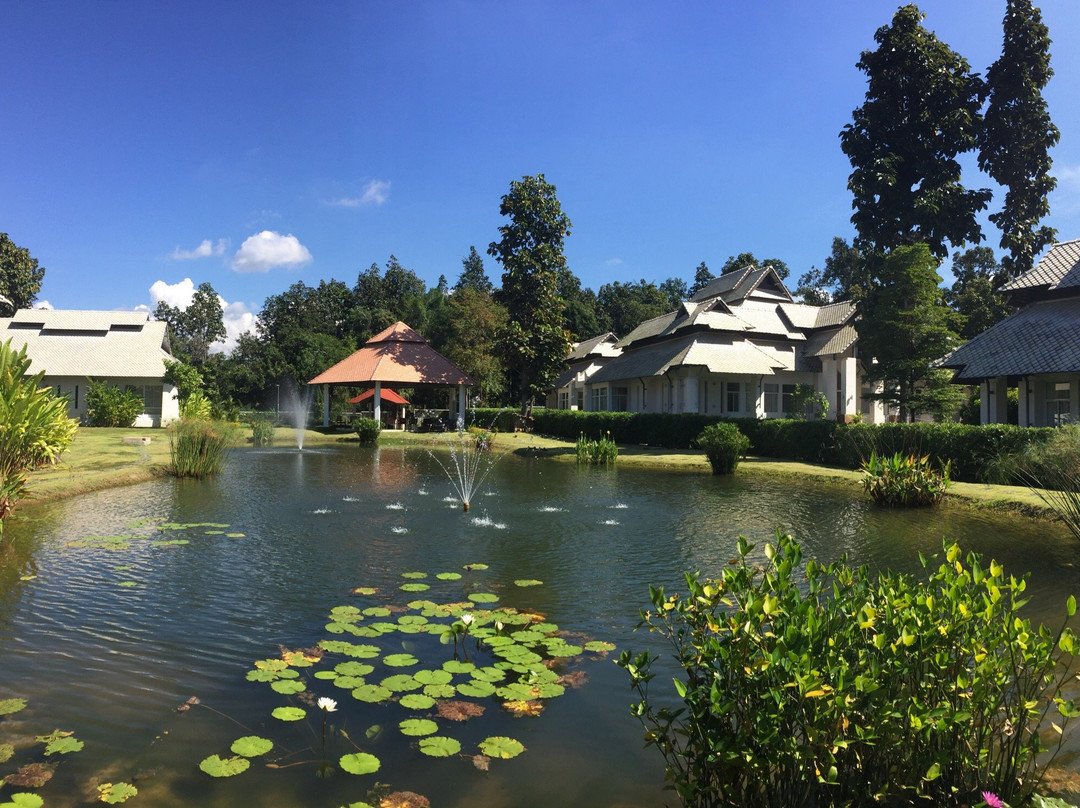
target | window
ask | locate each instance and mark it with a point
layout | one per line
(620, 399)
(772, 397)
(151, 396)
(1058, 410)
(734, 397)
(598, 399)
(580, 400)
(788, 391)
(564, 399)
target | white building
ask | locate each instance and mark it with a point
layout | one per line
(124, 348)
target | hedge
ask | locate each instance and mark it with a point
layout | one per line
(968, 447)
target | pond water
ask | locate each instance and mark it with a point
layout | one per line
(107, 638)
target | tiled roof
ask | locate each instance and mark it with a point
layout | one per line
(741, 357)
(604, 342)
(725, 283)
(398, 356)
(1058, 269)
(386, 396)
(94, 344)
(1040, 338)
(826, 343)
(833, 314)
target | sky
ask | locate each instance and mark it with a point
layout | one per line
(151, 147)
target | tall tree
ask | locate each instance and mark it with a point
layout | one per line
(20, 275)
(625, 306)
(747, 259)
(194, 329)
(974, 293)
(702, 277)
(921, 112)
(579, 307)
(533, 342)
(676, 291)
(846, 276)
(904, 326)
(474, 323)
(1015, 142)
(472, 274)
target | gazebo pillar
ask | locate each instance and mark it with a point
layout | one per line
(462, 406)
(326, 405)
(376, 400)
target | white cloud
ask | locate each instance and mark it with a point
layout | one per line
(613, 262)
(238, 319)
(374, 193)
(205, 249)
(266, 250)
(43, 304)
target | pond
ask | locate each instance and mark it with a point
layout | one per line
(107, 637)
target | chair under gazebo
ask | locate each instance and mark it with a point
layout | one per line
(400, 357)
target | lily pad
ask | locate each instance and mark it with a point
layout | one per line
(489, 674)
(501, 747)
(527, 582)
(414, 587)
(9, 706)
(251, 746)
(440, 691)
(359, 763)
(449, 576)
(349, 682)
(372, 694)
(412, 620)
(224, 767)
(271, 664)
(599, 646)
(439, 746)
(400, 683)
(377, 611)
(288, 687)
(400, 660)
(476, 689)
(435, 677)
(474, 567)
(364, 590)
(483, 597)
(418, 727)
(23, 800)
(6, 751)
(288, 713)
(457, 666)
(417, 701)
(60, 742)
(353, 669)
(116, 793)
(414, 575)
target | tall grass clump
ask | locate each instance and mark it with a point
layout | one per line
(905, 481)
(1052, 471)
(199, 448)
(724, 445)
(600, 452)
(262, 432)
(811, 685)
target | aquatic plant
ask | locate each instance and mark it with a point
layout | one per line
(905, 481)
(262, 432)
(827, 685)
(199, 448)
(600, 452)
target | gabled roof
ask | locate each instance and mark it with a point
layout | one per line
(1042, 337)
(719, 356)
(386, 396)
(398, 356)
(603, 345)
(741, 284)
(1057, 270)
(94, 344)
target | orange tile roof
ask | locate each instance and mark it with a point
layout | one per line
(386, 396)
(396, 356)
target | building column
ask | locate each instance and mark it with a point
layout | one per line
(849, 387)
(691, 403)
(999, 401)
(377, 401)
(326, 405)
(759, 397)
(462, 406)
(984, 401)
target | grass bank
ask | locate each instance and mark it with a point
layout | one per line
(101, 458)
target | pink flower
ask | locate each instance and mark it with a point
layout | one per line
(992, 799)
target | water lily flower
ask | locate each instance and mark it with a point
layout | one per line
(327, 705)
(499, 625)
(992, 799)
(467, 619)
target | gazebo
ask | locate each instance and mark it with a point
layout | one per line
(386, 396)
(400, 357)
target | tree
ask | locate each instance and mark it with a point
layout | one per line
(1015, 141)
(533, 342)
(194, 329)
(676, 291)
(974, 293)
(472, 274)
(921, 112)
(702, 277)
(747, 259)
(579, 307)
(475, 322)
(846, 276)
(625, 306)
(904, 326)
(34, 425)
(20, 275)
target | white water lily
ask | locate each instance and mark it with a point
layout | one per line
(327, 705)
(499, 625)
(467, 619)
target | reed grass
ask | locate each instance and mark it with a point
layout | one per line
(199, 448)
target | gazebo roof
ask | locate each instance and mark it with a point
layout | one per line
(386, 396)
(397, 356)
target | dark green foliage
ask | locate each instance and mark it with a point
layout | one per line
(199, 448)
(20, 275)
(184, 377)
(600, 452)
(737, 263)
(904, 481)
(367, 430)
(921, 112)
(1017, 135)
(974, 293)
(625, 306)
(108, 405)
(473, 275)
(702, 277)
(262, 432)
(847, 276)
(724, 445)
(826, 685)
(193, 330)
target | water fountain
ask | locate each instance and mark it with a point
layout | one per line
(297, 405)
(471, 459)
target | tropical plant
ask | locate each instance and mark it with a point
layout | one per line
(904, 481)
(108, 405)
(199, 448)
(367, 430)
(482, 438)
(826, 685)
(723, 445)
(196, 407)
(262, 432)
(600, 452)
(34, 425)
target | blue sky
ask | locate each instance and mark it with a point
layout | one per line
(149, 147)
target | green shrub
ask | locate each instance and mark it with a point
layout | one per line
(904, 481)
(108, 405)
(828, 686)
(724, 445)
(262, 432)
(482, 438)
(196, 407)
(34, 426)
(199, 448)
(367, 430)
(600, 452)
